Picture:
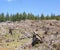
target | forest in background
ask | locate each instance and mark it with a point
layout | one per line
(29, 16)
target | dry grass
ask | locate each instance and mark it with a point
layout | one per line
(3, 49)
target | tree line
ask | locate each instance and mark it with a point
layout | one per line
(24, 16)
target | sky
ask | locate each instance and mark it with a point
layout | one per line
(36, 7)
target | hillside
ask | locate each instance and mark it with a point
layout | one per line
(18, 35)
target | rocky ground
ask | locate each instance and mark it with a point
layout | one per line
(22, 33)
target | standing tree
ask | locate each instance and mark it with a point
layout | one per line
(53, 16)
(31, 16)
(7, 17)
(42, 16)
(2, 18)
(17, 17)
(24, 16)
(47, 17)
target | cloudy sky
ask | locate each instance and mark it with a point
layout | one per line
(30, 6)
